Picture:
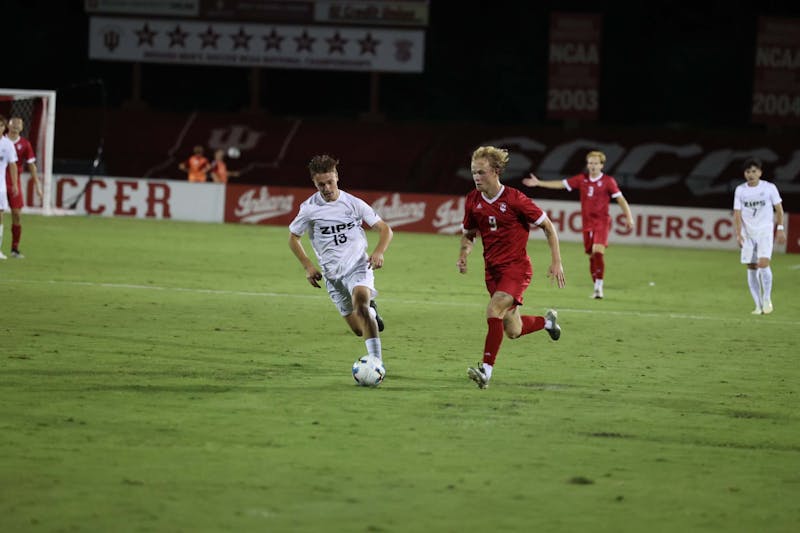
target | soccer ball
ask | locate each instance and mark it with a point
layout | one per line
(233, 152)
(368, 371)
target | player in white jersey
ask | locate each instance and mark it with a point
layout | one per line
(8, 159)
(757, 205)
(333, 219)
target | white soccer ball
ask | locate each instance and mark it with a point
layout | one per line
(234, 152)
(368, 371)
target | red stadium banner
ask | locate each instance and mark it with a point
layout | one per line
(574, 66)
(776, 88)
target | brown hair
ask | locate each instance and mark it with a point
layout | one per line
(322, 164)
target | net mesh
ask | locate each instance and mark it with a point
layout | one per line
(35, 110)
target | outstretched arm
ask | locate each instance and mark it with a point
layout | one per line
(533, 181)
(376, 259)
(623, 203)
(313, 275)
(467, 242)
(556, 270)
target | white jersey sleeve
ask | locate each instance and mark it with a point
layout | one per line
(335, 231)
(8, 154)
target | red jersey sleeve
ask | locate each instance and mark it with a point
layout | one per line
(613, 188)
(574, 183)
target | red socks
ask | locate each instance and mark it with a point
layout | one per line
(597, 266)
(493, 339)
(16, 231)
(531, 323)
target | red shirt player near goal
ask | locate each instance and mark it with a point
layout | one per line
(503, 217)
(26, 158)
(596, 191)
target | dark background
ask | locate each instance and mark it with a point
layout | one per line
(683, 65)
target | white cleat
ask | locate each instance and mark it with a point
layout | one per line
(756, 311)
(3, 256)
(555, 329)
(767, 308)
(597, 294)
(476, 374)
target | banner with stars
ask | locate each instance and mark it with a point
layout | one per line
(256, 45)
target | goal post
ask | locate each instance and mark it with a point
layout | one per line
(37, 109)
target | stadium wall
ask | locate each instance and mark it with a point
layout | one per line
(654, 166)
(414, 212)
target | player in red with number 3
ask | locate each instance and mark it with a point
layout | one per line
(503, 217)
(596, 190)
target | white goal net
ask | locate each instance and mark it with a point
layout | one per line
(37, 109)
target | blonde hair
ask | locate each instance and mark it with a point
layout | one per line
(596, 153)
(497, 157)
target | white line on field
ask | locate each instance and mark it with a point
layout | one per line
(437, 302)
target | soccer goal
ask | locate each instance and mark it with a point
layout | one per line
(37, 109)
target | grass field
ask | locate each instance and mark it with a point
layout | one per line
(165, 376)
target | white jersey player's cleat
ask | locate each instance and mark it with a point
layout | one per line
(767, 307)
(756, 311)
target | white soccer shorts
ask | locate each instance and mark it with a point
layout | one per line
(756, 247)
(341, 290)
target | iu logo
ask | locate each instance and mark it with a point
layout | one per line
(111, 39)
(236, 135)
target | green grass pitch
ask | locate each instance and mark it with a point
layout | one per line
(164, 376)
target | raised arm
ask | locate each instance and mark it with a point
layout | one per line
(533, 181)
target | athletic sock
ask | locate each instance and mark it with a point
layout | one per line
(374, 347)
(532, 323)
(487, 370)
(766, 283)
(16, 231)
(494, 336)
(755, 286)
(599, 266)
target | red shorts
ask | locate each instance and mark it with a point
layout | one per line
(15, 201)
(596, 235)
(511, 279)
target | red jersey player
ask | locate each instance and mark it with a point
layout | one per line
(596, 191)
(503, 215)
(26, 157)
